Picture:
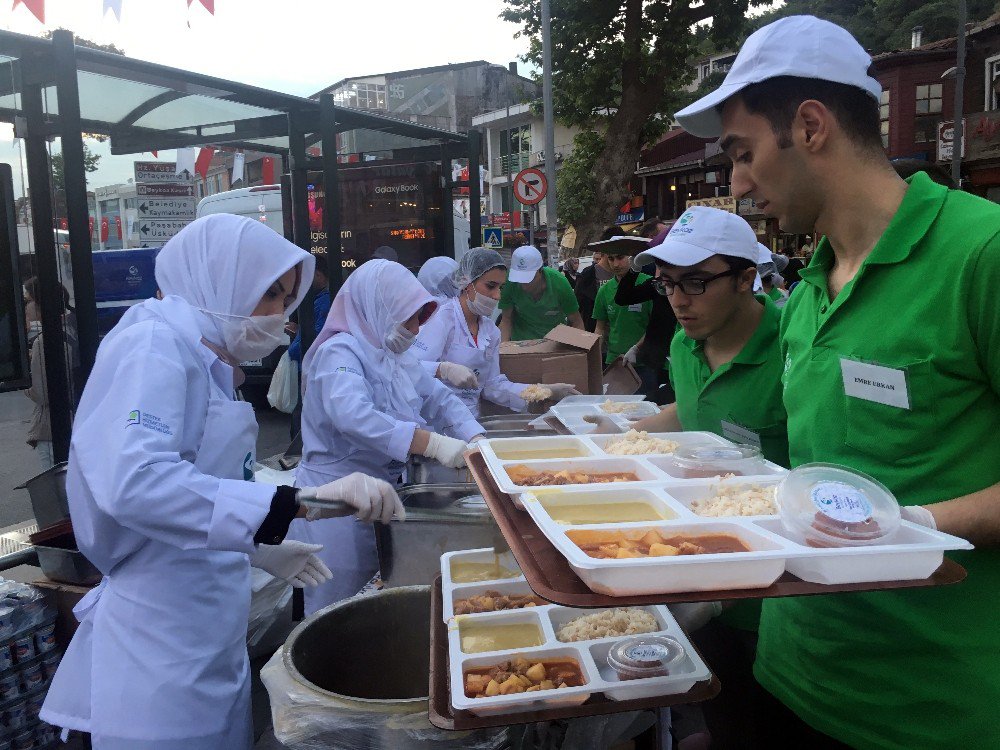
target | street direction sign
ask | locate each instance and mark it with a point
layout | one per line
(530, 186)
(158, 171)
(159, 231)
(493, 237)
(180, 209)
(165, 190)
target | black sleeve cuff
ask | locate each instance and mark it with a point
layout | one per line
(284, 508)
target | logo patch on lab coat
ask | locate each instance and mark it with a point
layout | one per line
(350, 370)
(149, 421)
(248, 467)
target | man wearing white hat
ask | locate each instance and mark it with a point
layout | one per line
(891, 347)
(535, 298)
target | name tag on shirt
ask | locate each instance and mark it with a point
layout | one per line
(883, 385)
(635, 308)
(739, 434)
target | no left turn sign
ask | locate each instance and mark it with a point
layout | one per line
(530, 186)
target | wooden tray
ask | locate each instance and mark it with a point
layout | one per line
(444, 716)
(551, 577)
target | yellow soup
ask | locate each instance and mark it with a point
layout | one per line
(603, 513)
(479, 638)
(474, 572)
(528, 454)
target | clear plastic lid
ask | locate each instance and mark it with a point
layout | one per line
(833, 506)
(718, 459)
(645, 656)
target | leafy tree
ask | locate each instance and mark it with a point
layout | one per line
(617, 68)
(83, 42)
(91, 161)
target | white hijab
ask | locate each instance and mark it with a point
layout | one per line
(223, 264)
(375, 299)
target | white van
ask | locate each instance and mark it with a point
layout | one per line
(262, 203)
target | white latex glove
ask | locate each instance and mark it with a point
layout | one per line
(295, 562)
(918, 514)
(631, 354)
(446, 451)
(605, 424)
(692, 616)
(373, 499)
(561, 390)
(459, 376)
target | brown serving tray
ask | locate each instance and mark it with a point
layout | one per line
(551, 577)
(444, 716)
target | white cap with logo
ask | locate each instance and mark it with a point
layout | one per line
(798, 46)
(700, 233)
(524, 264)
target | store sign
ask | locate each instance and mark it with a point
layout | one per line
(726, 203)
(946, 139)
(982, 136)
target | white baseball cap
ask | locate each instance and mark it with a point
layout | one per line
(700, 233)
(763, 254)
(524, 264)
(798, 46)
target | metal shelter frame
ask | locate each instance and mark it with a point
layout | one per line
(151, 107)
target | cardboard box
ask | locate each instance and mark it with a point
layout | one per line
(565, 355)
(621, 379)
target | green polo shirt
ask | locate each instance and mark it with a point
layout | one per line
(741, 401)
(626, 324)
(913, 668)
(535, 318)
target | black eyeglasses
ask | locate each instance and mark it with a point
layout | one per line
(688, 286)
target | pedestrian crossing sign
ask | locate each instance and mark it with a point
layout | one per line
(493, 237)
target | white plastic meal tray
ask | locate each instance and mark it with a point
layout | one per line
(577, 400)
(591, 655)
(572, 415)
(913, 553)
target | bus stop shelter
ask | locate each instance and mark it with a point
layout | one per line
(55, 89)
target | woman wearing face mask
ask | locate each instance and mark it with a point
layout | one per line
(158, 493)
(367, 404)
(461, 343)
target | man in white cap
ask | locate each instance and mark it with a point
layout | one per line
(891, 347)
(535, 298)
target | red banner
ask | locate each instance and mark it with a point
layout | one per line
(37, 7)
(64, 224)
(204, 161)
(209, 5)
(91, 226)
(118, 226)
(104, 229)
(267, 170)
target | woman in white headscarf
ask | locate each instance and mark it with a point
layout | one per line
(158, 490)
(367, 405)
(461, 344)
(436, 276)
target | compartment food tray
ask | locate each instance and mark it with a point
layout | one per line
(572, 415)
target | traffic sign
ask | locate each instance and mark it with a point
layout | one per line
(530, 186)
(158, 171)
(181, 209)
(159, 231)
(164, 190)
(493, 237)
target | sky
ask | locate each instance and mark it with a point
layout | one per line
(294, 46)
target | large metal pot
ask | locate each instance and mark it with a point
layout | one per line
(47, 492)
(439, 518)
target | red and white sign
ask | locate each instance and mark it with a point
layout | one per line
(530, 186)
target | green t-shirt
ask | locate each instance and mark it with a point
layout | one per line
(915, 668)
(535, 318)
(626, 325)
(740, 401)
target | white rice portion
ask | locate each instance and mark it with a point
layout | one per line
(620, 407)
(608, 622)
(634, 443)
(738, 500)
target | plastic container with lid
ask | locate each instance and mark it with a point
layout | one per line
(645, 656)
(704, 461)
(832, 506)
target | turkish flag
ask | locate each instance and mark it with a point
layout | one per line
(204, 161)
(267, 170)
(104, 229)
(64, 224)
(209, 5)
(37, 7)
(118, 226)
(91, 226)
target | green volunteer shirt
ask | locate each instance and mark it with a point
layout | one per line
(741, 401)
(915, 668)
(626, 324)
(535, 318)
(775, 294)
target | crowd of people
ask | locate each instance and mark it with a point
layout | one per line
(900, 290)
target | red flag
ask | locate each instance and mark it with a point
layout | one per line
(204, 161)
(104, 229)
(118, 226)
(37, 7)
(209, 5)
(267, 170)
(155, 154)
(91, 226)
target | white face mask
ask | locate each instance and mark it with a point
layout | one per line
(480, 304)
(398, 340)
(251, 337)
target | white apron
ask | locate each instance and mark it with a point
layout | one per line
(476, 360)
(159, 661)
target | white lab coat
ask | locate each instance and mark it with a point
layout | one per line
(446, 338)
(349, 425)
(158, 455)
